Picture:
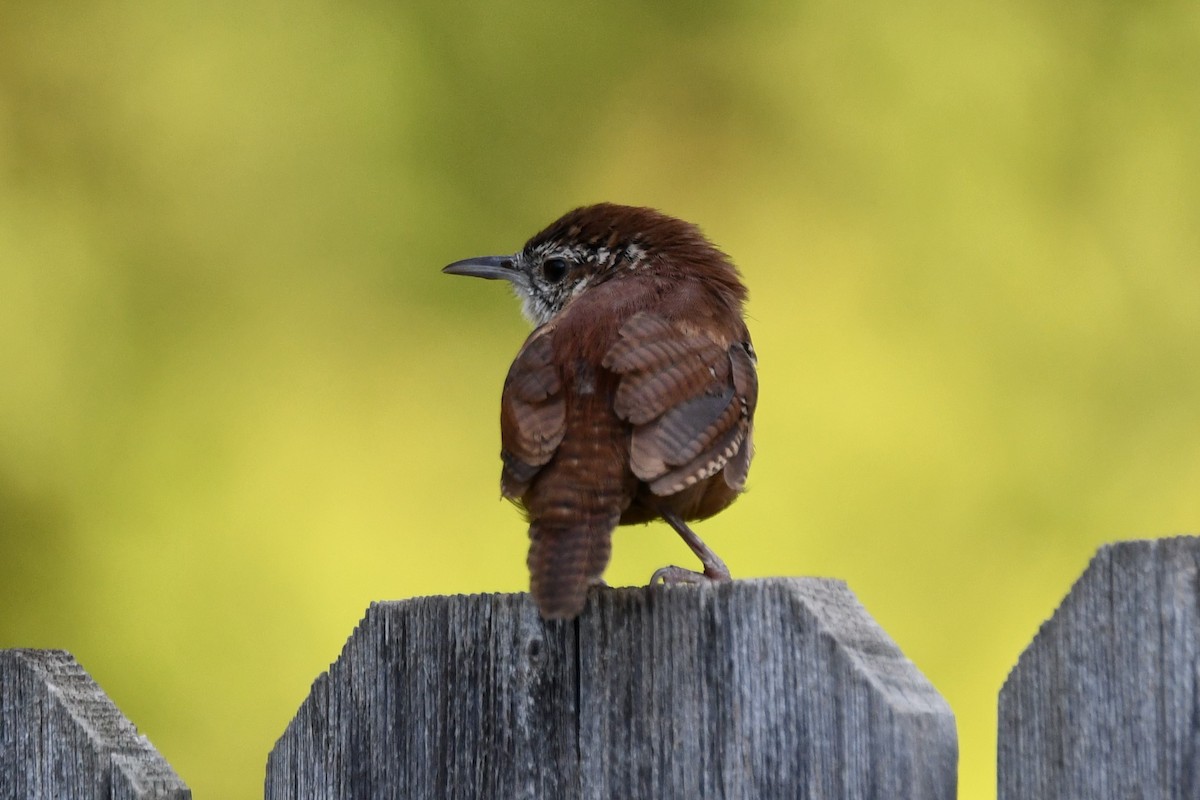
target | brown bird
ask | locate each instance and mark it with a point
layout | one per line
(632, 400)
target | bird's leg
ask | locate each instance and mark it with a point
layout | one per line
(714, 568)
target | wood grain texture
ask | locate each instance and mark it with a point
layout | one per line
(62, 737)
(751, 689)
(1104, 702)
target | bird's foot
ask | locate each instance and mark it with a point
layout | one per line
(672, 575)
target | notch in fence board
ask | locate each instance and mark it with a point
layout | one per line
(764, 689)
(1104, 702)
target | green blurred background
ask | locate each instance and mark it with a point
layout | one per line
(239, 402)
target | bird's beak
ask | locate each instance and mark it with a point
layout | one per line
(490, 267)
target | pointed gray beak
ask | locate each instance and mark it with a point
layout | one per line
(490, 267)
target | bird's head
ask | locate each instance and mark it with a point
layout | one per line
(593, 244)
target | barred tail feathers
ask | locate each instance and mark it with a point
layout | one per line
(566, 557)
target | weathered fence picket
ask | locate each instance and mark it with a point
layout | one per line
(61, 737)
(1105, 703)
(757, 689)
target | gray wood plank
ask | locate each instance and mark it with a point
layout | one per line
(61, 737)
(1103, 703)
(753, 689)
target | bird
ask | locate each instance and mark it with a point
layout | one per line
(633, 398)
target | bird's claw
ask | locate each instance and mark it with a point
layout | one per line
(673, 576)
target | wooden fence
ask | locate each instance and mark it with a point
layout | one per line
(780, 688)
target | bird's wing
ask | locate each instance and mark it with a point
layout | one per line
(532, 413)
(690, 398)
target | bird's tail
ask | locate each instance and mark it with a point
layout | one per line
(566, 556)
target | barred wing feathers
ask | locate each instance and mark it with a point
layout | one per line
(690, 397)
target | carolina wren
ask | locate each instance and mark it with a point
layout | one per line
(632, 400)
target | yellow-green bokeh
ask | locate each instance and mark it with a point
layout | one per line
(239, 402)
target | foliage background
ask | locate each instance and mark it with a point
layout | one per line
(239, 402)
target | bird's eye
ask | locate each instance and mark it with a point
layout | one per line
(554, 269)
